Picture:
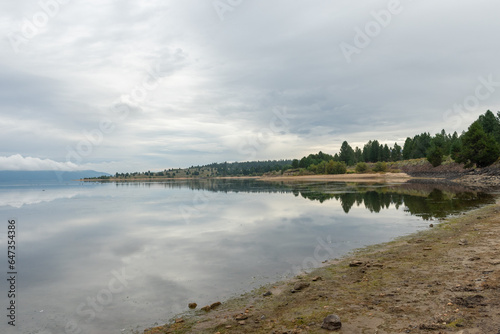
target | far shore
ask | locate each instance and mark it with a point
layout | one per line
(369, 177)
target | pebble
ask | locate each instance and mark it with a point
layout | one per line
(268, 293)
(241, 316)
(332, 323)
(192, 305)
(206, 308)
(300, 286)
(214, 305)
(355, 263)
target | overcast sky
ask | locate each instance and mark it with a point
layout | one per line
(147, 85)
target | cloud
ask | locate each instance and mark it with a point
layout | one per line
(18, 162)
(221, 80)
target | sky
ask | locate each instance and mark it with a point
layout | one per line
(124, 86)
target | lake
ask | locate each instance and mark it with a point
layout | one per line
(120, 257)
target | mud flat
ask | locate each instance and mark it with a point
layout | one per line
(445, 279)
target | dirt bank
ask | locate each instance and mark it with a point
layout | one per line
(443, 280)
(487, 178)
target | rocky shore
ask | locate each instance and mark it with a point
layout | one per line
(442, 280)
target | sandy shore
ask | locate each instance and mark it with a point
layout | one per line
(376, 178)
(442, 280)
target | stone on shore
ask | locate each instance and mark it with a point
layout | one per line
(300, 286)
(332, 323)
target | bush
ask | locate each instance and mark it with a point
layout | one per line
(335, 167)
(380, 167)
(361, 167)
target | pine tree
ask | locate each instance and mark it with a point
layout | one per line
(407, 148)
(478, 147)
(347, 154)
(491, 124)
(435, 155)
(396, 152)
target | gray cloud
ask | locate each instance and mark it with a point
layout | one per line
(199, 88)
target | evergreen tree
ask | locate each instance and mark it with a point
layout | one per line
(396, 153)
(367, 151)
(435, 155)
(375, 151)
(407, 148)
(491, 124)
(478, 147)
(385, 153)
(358, 155)
(347, 154)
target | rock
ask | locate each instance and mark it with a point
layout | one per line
(268, 293)
(332, 323)
(192, 305)
(214, 305)
(206, 308)
(355, 263)
(242, 322)
(300, 286)
(317, 278)
(241, 316)
(463, 242)
(431, 225)
(179, 320)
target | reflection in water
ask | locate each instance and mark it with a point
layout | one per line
(426, 201)
(437, 204)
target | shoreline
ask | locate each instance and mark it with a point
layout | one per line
(368, 177)
(446, 278)
(474, 181)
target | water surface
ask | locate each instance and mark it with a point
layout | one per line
(114, 257)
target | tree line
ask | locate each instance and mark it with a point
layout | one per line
(479, 145)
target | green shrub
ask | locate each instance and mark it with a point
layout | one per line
(335, 167)
(380, 167)
(361, 167)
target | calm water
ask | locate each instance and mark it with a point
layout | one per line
(111, 258)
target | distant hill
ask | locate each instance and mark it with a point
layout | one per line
(46, 175)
